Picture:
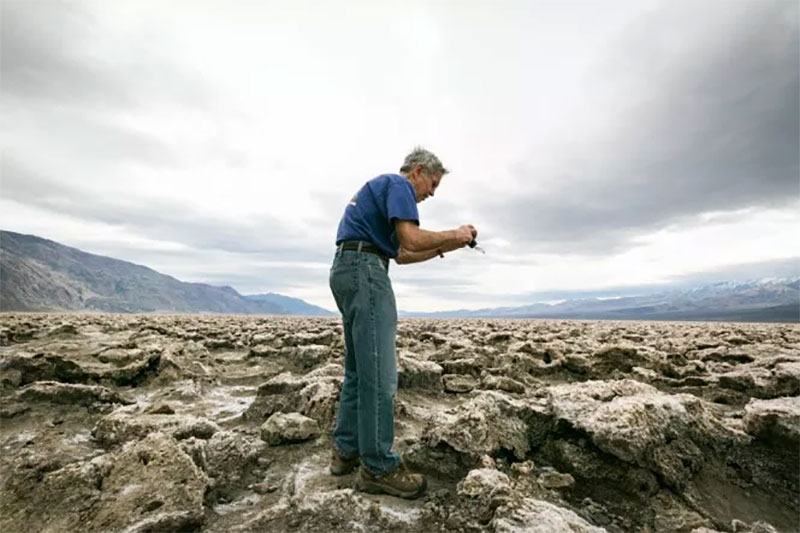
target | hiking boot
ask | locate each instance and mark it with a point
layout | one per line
(340, 465)
(401, 482)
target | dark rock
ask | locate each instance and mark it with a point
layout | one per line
(556, 480)
(458, 383)
(415, 373)
(160, 409)
(539, 516)
(775, 420)
(69, 394)
(469, 366)
(150, 485)
(12, 410)
(620, 358)
(125, 424)
(149, 471)
(503, 383)
(640, 425)
(262, 350)
(315, 395)
(230, 460)
(483, 490)
(499, 337)
(485, 425)
(283, 428)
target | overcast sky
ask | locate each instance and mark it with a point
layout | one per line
(599, 147)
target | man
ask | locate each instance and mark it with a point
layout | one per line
(380, 222)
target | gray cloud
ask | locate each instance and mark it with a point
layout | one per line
(56, 52)
(329, 206)
(778, 268)
(39, 59)
(65, 80)
(275, 279)
(714, 124)
(70, 137)
(161, 220)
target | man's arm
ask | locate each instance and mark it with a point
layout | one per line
(405, 257)
(414, 239)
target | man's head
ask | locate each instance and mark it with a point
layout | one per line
(424, 170)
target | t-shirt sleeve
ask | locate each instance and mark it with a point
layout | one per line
(401, 203)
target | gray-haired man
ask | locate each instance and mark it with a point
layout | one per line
(380, 222)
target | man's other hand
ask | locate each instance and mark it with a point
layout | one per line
(464, 235)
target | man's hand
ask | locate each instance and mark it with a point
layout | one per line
(474, 231)
(464, 234)
(415, 239)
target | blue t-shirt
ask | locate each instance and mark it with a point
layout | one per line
(371, 213)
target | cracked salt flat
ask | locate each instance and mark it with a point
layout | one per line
(22, 437)
(238, 505)
(678, 359)
(79, 438)
(408, 515)
(129, 489)
(226, 401)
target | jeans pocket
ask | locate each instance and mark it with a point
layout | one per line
(341, 279)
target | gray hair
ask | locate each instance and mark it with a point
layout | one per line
(421, 156)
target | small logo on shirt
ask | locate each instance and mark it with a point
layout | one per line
(353, 201)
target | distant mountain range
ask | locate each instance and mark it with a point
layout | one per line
(37, 274)
(41, 275)
(763, 300)
(292, 306)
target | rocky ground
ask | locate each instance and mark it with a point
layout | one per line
(136, 423)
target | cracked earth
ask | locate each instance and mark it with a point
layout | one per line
(139, 423)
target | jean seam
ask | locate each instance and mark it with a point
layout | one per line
(348, 355)
(373, 331)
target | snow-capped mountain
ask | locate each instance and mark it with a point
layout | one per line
(759, 300)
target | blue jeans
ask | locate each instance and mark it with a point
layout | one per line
(365, 425)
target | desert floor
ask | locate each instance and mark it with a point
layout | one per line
(141, 423)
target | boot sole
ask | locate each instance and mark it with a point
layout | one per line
(376, 488)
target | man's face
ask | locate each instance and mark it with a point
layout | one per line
(425, 183)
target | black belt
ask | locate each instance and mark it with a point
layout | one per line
(361, 246)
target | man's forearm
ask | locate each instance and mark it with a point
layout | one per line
(423, 240)
(405, 257)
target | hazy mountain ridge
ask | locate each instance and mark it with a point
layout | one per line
(768, 299)
(293, 306)
(38, 274)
